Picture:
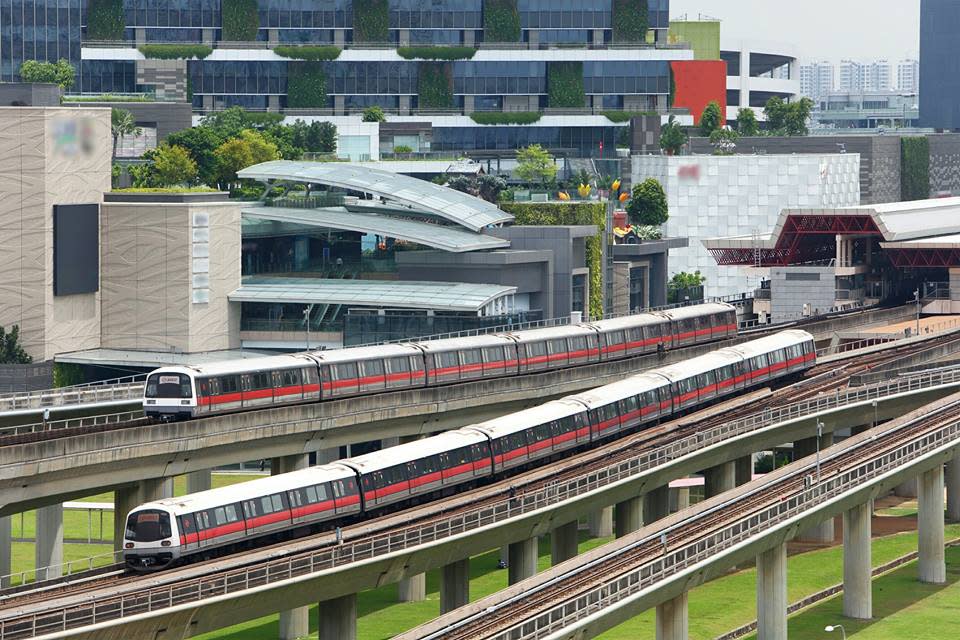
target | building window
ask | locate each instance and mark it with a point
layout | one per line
(578, 298)
(638, 289)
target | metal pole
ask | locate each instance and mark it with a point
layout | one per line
(819, 435)
(916, 297)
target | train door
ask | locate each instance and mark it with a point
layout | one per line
(424, 474)
(288, 385)
(310, 377)
(533, 356)
(189, 540)
(371, 378)
(346, 495)
(481, 456)
(578, 350)
(471, 364)
(398, 374)
(629, 412)
(495, 362)
(204, 396)
(446, 367)
(343, 379)
(558, 353)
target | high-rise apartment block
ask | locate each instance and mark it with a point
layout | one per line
(816, 79)
(860, 77)
(908, 76)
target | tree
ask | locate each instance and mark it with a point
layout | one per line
(724, 141)
(686, 280)
(248, 149)
(775, 111)
(710, 119)
(685, 287)
(230, 122)
(535, 164)
(60, 72)
(672, 137)
(648, 206)
(122, 124)
(489, 187)
(797, 116)
(374, 114)
(201, 142)
(173, 165)
(11, 352)
(747, 122)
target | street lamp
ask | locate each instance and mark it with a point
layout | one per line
(834, 627)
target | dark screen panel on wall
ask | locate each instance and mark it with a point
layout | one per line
(76, 249)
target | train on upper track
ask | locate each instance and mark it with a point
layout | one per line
(162, 533)
(174, 393)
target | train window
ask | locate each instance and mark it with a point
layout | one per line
(310, 495)
(478, 452)
(615, 337)
(203, 387)
(556, 346)
(230, 384)
(328, 372)
(203, 520)
(261, 380)
(245, 381)
(470, 356)
(249, 509)
(537, 348)
(219, 516)
(518, 440)
(429, 464)
(493, 355)
(295, 497)
(461, 455)
(309, 376)
(540, 432)
(398, 365)
(265, 505)
(187, 525)
(448, 360)
(776, 356)
(349, 486)
(278, 502)
(498, 446)
(346, 371)
(372, 368)
(291, 377)
(579, 343)
(629, 404)
(168, 385)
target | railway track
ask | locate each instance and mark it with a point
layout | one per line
(112, 592)
(500, 621)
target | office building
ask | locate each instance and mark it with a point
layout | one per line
(939, 64)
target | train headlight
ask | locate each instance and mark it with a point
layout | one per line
(165, 543)
(151, 402)
(184, 402)
(128, 545)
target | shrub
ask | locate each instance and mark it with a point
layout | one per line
(402, 148)
(105, 20)
(60, 72)
(436, 53)
(710, 119)
(724, 142)
(435, 85)
(239, 20)
(672, 137)
(569, 213)
(648, 206)
(914, 168)
(175, 51)
(501, 21)
(788, 118)
(374, 114)
(630, 20)
(173, 165)
(565, 85)
(308, 52)
(11, 351)
(248, 149)
(747, 122)
(371, 21)
(535, 164)
(306, 85)
(624, 116)
(507, 117)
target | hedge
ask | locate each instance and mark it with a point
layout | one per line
(570, 213)
(371, 21)
(105, 20)
(501, 21)
(624, 116)
(436, 53)
(239, 20)
(507, 117)
(565, 85)
(175, 51)
(435, 85)
(308, 52)
(630, 20)
(914, 168)
(306, 85)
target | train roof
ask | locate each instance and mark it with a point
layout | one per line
(241, 366)
(621, 389)
(252, 489)
(522, 420)
(415, 450)
(468, 342)
(626, 322)
(681, 313)
(698, 365)
(769, 343)
(352, 354)
(552, 333)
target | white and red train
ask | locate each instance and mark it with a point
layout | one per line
(240, 385)
(165, 532)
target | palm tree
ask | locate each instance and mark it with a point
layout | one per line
(122, 124)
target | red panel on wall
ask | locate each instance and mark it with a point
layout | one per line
(697, 82)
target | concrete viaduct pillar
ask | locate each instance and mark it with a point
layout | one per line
(6, 551)
(523, 560)
(952, 480)
(772, 594)
(563, 543)
(338, 618)
(857, 567)
(48, 548)
(295, 623)
(454, 585)
(672, 619)
(601, 523)
(933, 568)
(744, 469)
(656, 504)
(720, 478)
(198, 481)
(414, 588)
(823, 532)
(628, 516)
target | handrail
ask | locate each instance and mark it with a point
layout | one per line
(72, 423)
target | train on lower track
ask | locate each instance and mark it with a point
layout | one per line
(258, 383)
(163, 533)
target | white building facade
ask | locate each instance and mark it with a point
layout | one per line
(816, 79)
(716, 196)
(908, 76)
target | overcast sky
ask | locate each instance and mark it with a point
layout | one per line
(820, 29)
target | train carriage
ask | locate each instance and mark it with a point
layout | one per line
(556, 347)
(364, 370)
(627, 404)
(770, 357)
(470, 358)
(701, 323)
(701, 379)
(631, 335)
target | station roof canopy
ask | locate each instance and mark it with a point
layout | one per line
(418, 195)
(447, 238)
(385, 294)
(916, 233)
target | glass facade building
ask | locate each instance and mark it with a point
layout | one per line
(45, 30)
(939, 64)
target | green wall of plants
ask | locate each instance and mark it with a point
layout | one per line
(565, 85)
(914, 168)
(630, 20)
(501, 21)
(239, 20)
(570, 213)
(435, 85)
(371, 21)
(306, 85)
(105, 20)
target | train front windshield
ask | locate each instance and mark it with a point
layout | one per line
(169, 385)
(148, 526)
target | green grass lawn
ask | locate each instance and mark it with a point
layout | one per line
(715, 607)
